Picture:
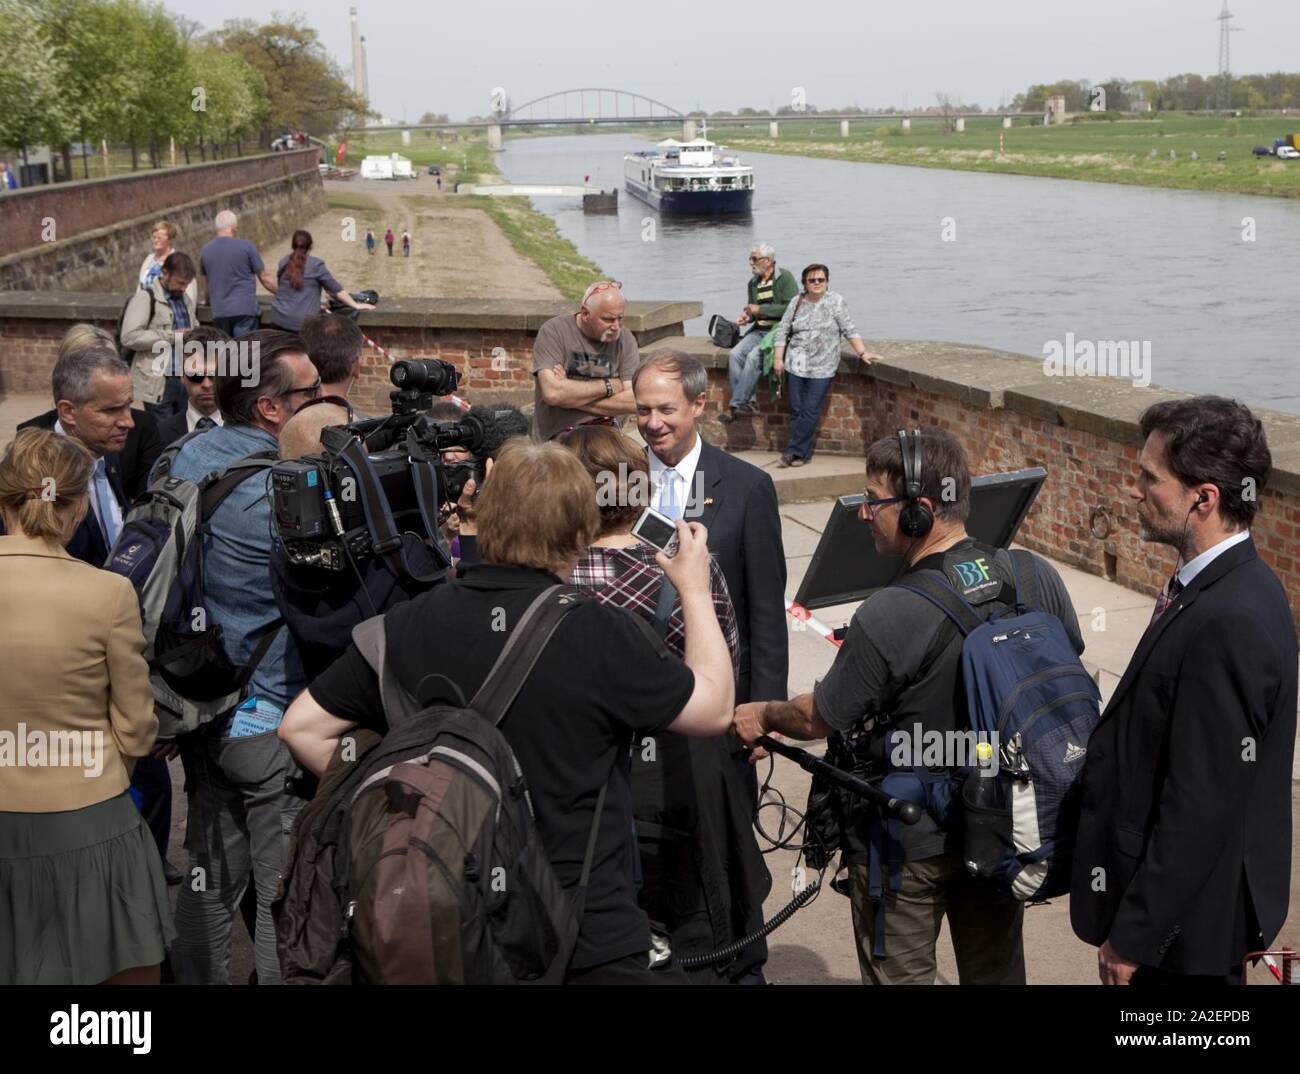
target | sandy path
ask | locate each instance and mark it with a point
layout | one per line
(455, 252)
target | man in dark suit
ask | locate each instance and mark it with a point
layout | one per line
(1183, 859)
(736, 503)
(92, 402)
(199, 365)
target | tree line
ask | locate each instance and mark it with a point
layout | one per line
(1180, 93)
(131, 73)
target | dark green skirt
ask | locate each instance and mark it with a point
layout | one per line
(82, 895)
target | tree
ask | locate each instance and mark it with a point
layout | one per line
(33, 110)
(305, 89)
(428, 119)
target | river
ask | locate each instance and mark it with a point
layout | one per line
(1011, 262)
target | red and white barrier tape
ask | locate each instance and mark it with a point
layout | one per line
(797, 611)
(370, 342)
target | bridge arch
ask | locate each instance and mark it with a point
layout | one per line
(625, 105)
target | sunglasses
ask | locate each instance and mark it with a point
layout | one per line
(199, 378)
(815, 279)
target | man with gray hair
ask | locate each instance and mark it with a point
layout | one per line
(92, 403)
(770, 291)
(583, 364)
(228, 266)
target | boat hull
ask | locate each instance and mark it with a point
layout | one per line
(693, 203)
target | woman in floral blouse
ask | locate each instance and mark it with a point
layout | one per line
(807, 346)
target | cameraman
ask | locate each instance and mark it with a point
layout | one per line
(899, 671)
(606, 677)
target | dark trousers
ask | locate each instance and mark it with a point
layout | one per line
(151, 783)
(631, 970)
(807, 397)
(235, 327)
(1153, 975)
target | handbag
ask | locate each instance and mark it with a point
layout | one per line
(723, 332)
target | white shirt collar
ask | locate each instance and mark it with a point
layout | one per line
(1189, 570)
(686, 469)
(192, 417)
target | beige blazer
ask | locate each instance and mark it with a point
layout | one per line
(77, 704)
(151, 340)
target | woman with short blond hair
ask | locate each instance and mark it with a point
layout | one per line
(81, 884)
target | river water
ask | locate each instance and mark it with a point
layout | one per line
(1012, 262)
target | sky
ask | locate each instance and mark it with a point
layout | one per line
(725, 54)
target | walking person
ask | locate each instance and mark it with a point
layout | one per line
(81, 883)
(300, 279)
(388, 241)
(406, 243)
(370, 243)
(771, 290)
(809, 337)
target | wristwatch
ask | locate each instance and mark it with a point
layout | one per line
(609, 387)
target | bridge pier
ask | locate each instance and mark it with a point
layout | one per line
(844, 128)
(1006, 123)
(774, 129)
(406, 137)
(960, 127)
(494, 137)
(1055, 110)
(689, 130)
(907, 125)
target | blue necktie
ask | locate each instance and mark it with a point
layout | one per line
(669, 504)
(104, 501)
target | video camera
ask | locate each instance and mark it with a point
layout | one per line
(379, 482)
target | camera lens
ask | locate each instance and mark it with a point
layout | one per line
(431, 375)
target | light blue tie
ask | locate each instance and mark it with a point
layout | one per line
(669, 504)
(104, 500)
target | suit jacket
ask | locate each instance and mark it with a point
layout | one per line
(1183, 859)
(128, 476)
(72, 661)
(171, 428)
(740, 513)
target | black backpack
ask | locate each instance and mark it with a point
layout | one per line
(419, 860)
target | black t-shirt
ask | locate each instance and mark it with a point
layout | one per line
(881, 670)
(604, 677)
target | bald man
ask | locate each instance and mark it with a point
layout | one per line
(301, 433)
(583, 364)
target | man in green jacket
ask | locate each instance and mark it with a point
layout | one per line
(770, 291)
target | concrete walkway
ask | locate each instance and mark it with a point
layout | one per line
(816, 946)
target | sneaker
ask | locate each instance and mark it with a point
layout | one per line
(786, 460)
(726, 416)
(799, 462)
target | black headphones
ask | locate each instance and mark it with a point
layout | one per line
(915, 519)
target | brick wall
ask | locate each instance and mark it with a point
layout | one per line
(1004, 409)
(108, 258)
(91, 204)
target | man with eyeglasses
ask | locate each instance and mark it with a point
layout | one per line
(898, 673)
(238, 809)
(199, 367)
(583, 364)
(770, 292)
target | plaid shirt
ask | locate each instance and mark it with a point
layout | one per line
(630, 578)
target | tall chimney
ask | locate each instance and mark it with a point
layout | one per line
(358, 59)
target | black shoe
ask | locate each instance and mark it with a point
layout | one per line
(171, 874)
(745, 410)
(726, 416)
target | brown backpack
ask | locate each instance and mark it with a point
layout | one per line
(419, 860)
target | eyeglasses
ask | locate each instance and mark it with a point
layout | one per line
(312, 390)
(869, 505)
(815, 279)
(754, 260)
(199, 378)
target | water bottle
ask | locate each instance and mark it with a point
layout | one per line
(988, 818)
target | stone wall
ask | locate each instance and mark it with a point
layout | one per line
(97, 250)
(1008, 413)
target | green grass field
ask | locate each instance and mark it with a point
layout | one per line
(1098, 151)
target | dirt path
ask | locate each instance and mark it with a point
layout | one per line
(455, 252)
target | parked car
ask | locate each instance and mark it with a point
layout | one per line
(1263, 150)
(1288, 152)
(434, 169)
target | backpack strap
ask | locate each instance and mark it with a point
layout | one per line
(928, 584)
(1026, 575)
(664, 606)
(522, 651)
(371, 640)
(259, 651)
(216, 487)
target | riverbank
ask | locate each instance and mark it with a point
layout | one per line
(446, 219)
(1100, 151)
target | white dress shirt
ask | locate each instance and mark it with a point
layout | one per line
(685, 474)
(113, 506)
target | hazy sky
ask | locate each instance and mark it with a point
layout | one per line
(719, 54)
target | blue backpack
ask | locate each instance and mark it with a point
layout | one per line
(1027, 693)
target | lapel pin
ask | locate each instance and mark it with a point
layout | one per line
(708, 501)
